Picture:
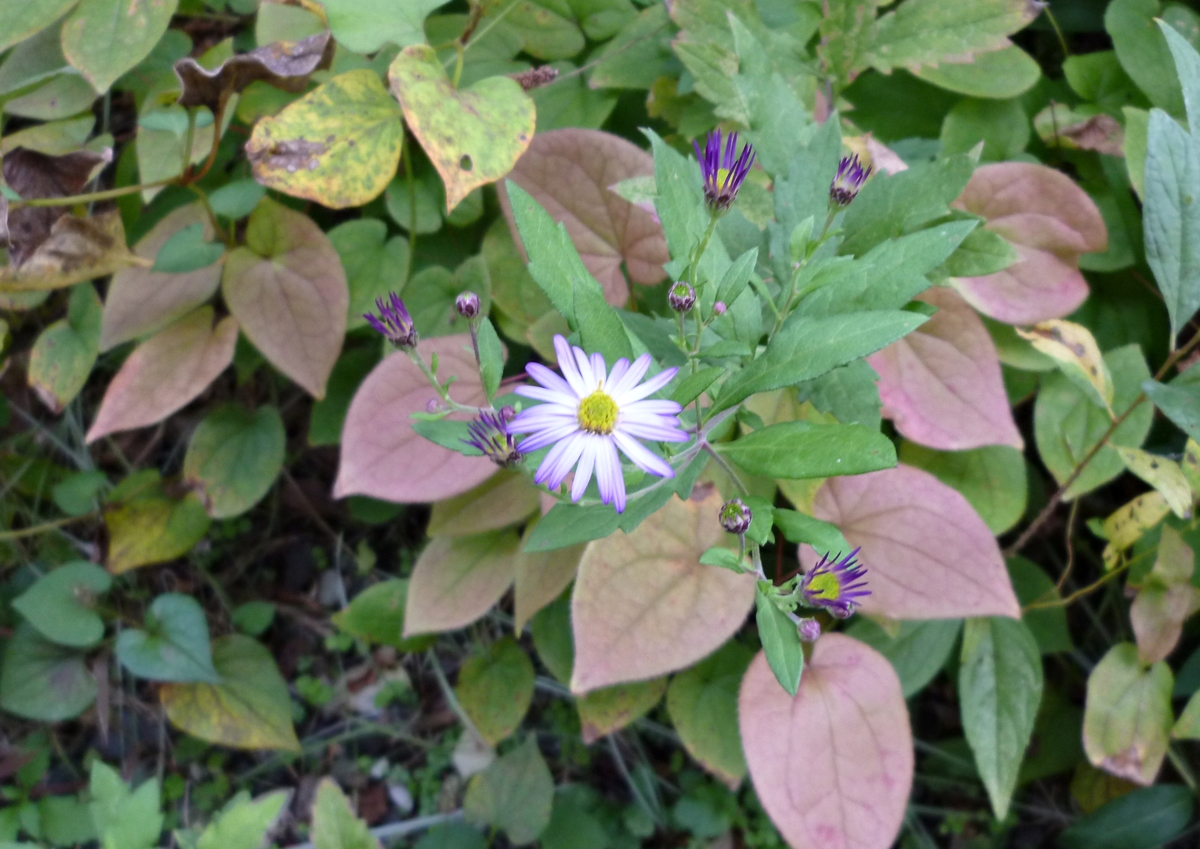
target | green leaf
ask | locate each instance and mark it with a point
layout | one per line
(174, 646)
(452, 835)
(1003, 73)
(802, 528)
(187, 250)
(552, 637)
(237, 199)
(514, 794)
(473, 136)
(60, 604)
(43, 681)
(702, 702)
(780, 641)
(495, 688)
(329, 414)
(233, 458)
(807, 348)
(722, 557)
(334, 824)
(918, 652)
(570, 524)
(1049, 624)
(992, 479)
(364, 26)
(922, 32)
(555, 264)
(609, 709)
(377, 615)
(1187, 64)
(1180, 404)
(849, 393)
(1144, 819)
(1127, 719)
(1172, 217)
(491, 357)
(1000, 687)
(18, 21)
(981, 253)
(1001, 125)
(106, 38)
(1143, 52)
(503, 500)
(339, 145)
(65, 352)
(124, 819)
(795, 450)
(243, 824)
(146, 526)
(689, 389)
(253, 617)
(249, 709)
(76, 495)
(1067, 424)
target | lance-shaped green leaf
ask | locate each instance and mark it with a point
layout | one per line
(795, 450)
(1128, 716)
(1172, 220)
(175, 645)
(334, 825)
(780, 642)
(339, 145)
(19, 20)
(106, 38)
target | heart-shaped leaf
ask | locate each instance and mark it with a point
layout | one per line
(366, 25)
(941, 384)
(495, 688)
(472, 137)
(457, 580)
(175, 645)
(1050, 221)
(148, 526)
(43, 681)
(833, 765)
(287, 289)
(166, 372)
(106, 38)
(927, 552)
(644, 605)
(394, 462)
(60, 604)
(233, 458)
(569, 173)
(339, 145)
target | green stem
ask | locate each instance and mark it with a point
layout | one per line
(726, 468)
(410, 183)
(89, 197)
(34, 530)
(437, 384)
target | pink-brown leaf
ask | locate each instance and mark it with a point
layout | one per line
(166, 372)
(644, 605)
(140, 300)
(928, 553)
(457, 579)
(833, 766)
(941, 384)
(1050, 221)
(382, 456)
(569, 172)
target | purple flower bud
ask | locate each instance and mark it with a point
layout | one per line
(489, 434)
(682, 297)
(467, 305)
(735, 516)
(835, 586)
(719, 308)
(810, 630)
(393, 322)
(432, 405)
(850, 178)
(723, 171)
(508, 413)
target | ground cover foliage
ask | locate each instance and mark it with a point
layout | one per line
(269, 577)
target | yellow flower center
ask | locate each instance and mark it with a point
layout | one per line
(598, 413)
(722, 176)
(825, 586)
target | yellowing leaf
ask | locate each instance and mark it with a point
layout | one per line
(339, 145)
(76, 250)
(540, 577)
(1128, 716)
(1165, 600)
(1191, 464)
(148, 526)
(1126, 526)
(644, 605)
(457, 579)
(64, 353)
(166, 372)
(249, 709)
(609, 709)
(495, 688)
(472, 137)
(288, 291)
(334, 824)
(1164, 475)
(1075, 349)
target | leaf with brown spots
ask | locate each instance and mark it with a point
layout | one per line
(339, 145)
(1128, 717)
(1075, 350)
(76, 250)
(38, 175)
(474, 136)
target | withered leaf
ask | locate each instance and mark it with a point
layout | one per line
(283, 64)
(38, 175)
(76, 249)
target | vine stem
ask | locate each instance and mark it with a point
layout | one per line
(34, 530)
(90, 197)
(1056, 499)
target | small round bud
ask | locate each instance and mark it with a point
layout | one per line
(735, 516)
(719, 308)
(467, 305)
(810, 630)
(507, 413)
(682, 297)
(432, 405)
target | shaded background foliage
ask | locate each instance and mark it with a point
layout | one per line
(232, 566)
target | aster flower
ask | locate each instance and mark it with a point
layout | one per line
(849, 180)
(723, 173)
(489, 434)
(393, 322)
(835, 586)
(589, 414)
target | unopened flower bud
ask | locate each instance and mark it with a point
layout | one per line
(810, 630)
(723, 170)
(467, 305)
(719, 308)
(508, 413)
(432, 405)
(849, 180)
(736, 516)
(393, 321)
(682, 297)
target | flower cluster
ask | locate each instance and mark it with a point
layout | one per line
(723, 171)
(588, 414)
(393, 322)
(835, 585)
